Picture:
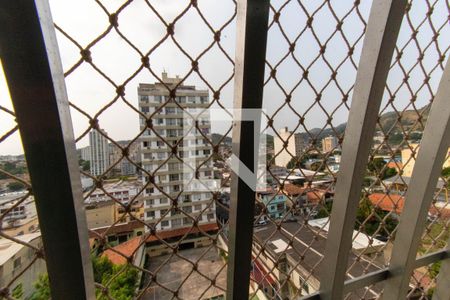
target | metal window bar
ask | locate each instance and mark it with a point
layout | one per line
(237, 271)
(252, 22)
(379, 43)
(429, 162)
(32, 65)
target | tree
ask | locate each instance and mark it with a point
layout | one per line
(317, 166)
(15, 186)
(376, 165)
(446, 172)
(101, 265)
(123, 286)
(42, 288)
(17, 292)
(389, 172)
(293, 163)
(84, 164)
(373, 217)
(122, 281)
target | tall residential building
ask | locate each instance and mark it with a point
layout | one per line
(86, 153)
(329, 144)
(169, 173)
(99, 152)
(295, 146)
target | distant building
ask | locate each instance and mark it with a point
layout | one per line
(124, 166)
(171, 174)
(329, 144)
(15, 260)
(99, 152)
(295, 146)
(23, 218)
(409, 160)
(275, 203)
(122, 190)
(85, 153)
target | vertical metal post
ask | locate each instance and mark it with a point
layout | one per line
(442, 290)
(379, 43)
(431, 156)
(251, 35)
(30, 58)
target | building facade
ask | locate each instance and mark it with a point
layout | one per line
(295, 146)
(85, 153)
(329, 144)
(409, 159)
(171, 127)
(17, 266)
(98, 145)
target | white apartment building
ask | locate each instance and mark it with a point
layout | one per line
(122, 190)
(295, 146)
(169, 173)
(15, 260)
(23, 217)
(86, 153)
(99, 152)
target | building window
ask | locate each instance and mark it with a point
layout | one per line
(149, 190)
(187, 209)
(17, 263)
(150, 202)
(176, 223)
(144, 98)
(187, 221)
(170, 110)
(164, 223)
(198, 207)
(145, 109)
(163, 201)
(150, 214)
(174, 177)
(174, 211)
(171, 132)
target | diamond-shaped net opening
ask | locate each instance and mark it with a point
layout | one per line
(145, 79)
(21, 250)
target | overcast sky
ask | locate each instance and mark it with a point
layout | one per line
(84, 20)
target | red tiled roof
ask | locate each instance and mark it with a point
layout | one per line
(259, 275)
(440, 212)
(395, 165)
(293, 190)
(160, 235)
(127, 249)
(388, 202)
